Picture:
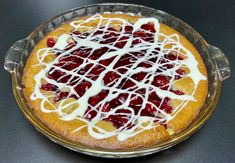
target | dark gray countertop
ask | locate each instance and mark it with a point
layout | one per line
(214, 142)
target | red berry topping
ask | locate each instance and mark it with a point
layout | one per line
(90, 114)
(82, 65)
(60, 96)
(161, 81)
(49, 87)
(149, 27)
(51, 42)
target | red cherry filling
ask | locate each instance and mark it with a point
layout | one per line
(110, 78)
(128, 29)
(173, 57)
(69, 62)
(98, 53)
(125, 61)
(148, 27)
(49, 87)
(60, 96)
(161, 81)
(79, 62)
(81, 88)
(178, 92)
(117, 120)
(180, 73)
(97, 98)
(51, 42)
(90, 114)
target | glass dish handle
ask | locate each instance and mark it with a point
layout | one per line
(222, 63)
(13, 54)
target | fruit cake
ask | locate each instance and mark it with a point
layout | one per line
(115, 81)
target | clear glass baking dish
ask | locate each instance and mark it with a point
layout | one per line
(217, 65)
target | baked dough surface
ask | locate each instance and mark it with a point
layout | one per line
(143, 139)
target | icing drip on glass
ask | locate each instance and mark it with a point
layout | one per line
(121, 66)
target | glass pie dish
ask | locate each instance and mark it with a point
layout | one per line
(216, 63)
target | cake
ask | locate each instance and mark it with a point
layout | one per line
(115, 81)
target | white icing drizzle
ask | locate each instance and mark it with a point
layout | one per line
(62, 42)
(141, 122)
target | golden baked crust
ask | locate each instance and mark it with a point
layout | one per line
(146, 138)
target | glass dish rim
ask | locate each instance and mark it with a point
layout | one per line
(114, 153)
